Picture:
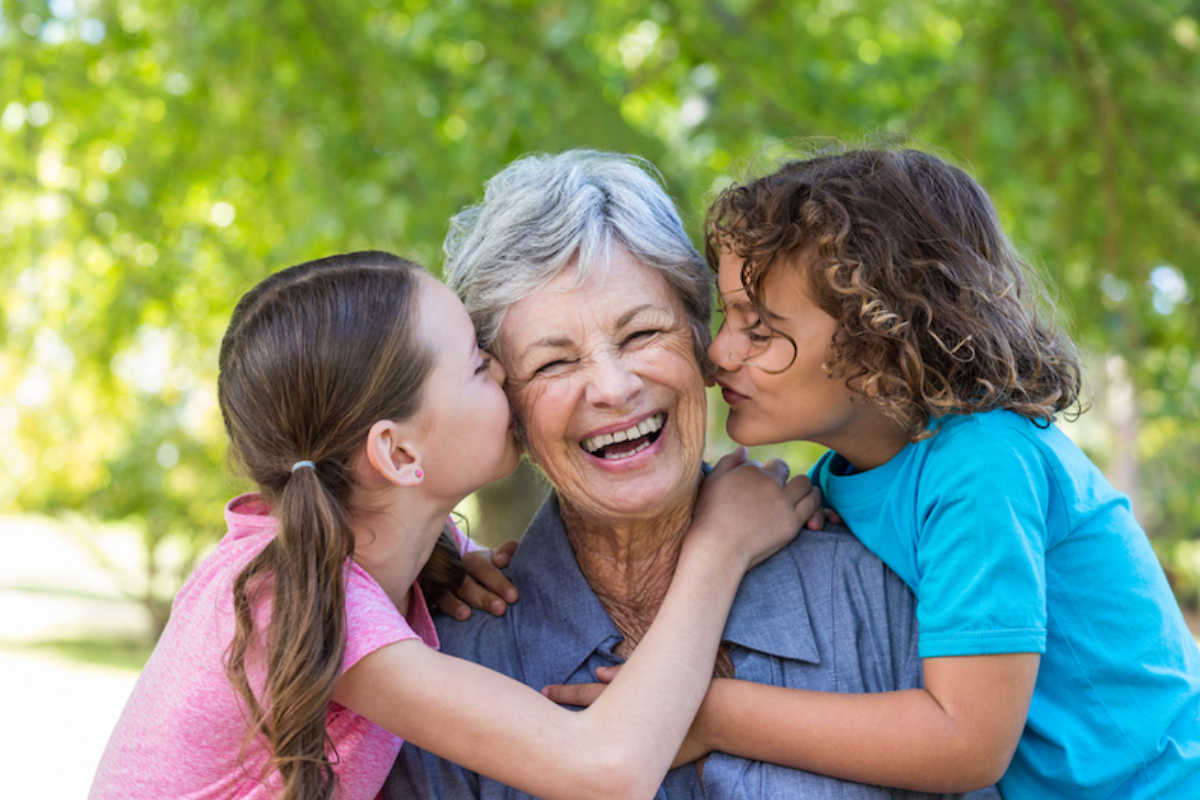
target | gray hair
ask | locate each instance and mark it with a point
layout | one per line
(542, 211)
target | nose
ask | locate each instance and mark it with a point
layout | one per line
(720, 351)
(612, 383)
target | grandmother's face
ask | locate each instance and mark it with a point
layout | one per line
(604, 379)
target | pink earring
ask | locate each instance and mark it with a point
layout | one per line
(420, 474)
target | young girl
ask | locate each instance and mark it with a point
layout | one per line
(873, 305)
(357, 399)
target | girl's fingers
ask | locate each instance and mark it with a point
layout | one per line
(779, 469)
(817, 520)
(728, 462)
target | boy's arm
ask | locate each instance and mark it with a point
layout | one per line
(957, 734)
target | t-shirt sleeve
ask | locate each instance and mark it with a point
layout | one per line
(981, 547)
(465, 543)
(372, 619)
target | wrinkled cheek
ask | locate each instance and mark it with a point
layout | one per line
(534, 412)
(524, 400)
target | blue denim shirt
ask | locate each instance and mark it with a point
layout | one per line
(823, 613)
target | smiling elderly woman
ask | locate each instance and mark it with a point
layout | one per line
(579, 276)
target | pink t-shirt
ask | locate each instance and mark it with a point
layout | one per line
(182, 729)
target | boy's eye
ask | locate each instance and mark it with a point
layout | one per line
(757, 333)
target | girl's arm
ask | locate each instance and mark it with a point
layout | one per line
(624, 744)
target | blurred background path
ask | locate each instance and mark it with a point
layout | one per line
(70, 650)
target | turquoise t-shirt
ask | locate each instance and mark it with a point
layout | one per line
(1014, 542)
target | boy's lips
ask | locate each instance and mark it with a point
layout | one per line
(731, 396)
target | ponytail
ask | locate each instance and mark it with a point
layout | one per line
(305, 648)
(314, 356)
(445, 569)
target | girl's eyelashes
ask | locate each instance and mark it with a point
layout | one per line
(485, 361)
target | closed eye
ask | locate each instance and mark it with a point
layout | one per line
(484, 363)
(642, 334)
(757, 333)
(550, 365)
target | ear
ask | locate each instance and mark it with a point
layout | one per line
(393, 454)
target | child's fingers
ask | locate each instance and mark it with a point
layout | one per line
(728, 462)
(502, 555)
(448, 604)
(817, 520)
(778, 468)
(481, 568)
(606, 674)
(477, 595)
(574, 694)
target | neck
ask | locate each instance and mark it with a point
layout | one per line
(872, 442)
(628, 564)
(394, 539)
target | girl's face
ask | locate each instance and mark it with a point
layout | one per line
(467, 427)
(773, 398)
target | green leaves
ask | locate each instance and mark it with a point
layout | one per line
(158, 159)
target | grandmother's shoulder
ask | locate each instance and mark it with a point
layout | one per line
(483, 639)
(835, 550)
(834, 538)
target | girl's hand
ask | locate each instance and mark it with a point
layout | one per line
(824, 514)
(582, 695)
(751, 508)
(485, 586)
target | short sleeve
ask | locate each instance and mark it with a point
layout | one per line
(981, 516)
(372, 619)
(465, 543)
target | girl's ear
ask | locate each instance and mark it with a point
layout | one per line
(393, 454)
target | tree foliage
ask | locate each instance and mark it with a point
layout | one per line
(157, 159)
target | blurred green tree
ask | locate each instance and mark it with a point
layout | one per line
(157, 159)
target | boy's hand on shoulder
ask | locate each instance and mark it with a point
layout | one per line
(485, 587)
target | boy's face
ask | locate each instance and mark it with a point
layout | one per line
(773, 398)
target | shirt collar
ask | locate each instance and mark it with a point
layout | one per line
(562, 617)
(558, 614)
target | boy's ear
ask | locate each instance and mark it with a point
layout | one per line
(393, 454)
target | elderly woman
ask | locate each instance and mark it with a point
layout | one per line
(579, 276)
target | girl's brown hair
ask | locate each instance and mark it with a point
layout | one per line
(314, 356)
(937, 313)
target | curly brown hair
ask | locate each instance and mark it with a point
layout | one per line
(937, 312)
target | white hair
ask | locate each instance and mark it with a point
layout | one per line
(541, 212)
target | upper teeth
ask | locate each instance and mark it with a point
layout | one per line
(647, 426)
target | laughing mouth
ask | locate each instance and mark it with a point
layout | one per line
(626, 443)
